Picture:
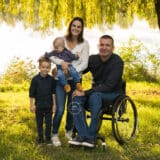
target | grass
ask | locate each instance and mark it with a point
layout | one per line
(18, 131)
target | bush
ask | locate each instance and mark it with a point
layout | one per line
(17, 75)
(4, 87)
(140, 65)
(19, 71)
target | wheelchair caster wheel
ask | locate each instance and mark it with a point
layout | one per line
(103, 146)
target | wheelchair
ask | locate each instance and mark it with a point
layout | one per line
(123, 115)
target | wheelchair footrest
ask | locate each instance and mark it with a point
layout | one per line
(99, 137)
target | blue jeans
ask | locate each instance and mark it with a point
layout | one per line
(95, 103)
(62, 77)
(60, 102)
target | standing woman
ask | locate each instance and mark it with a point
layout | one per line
(75, 42)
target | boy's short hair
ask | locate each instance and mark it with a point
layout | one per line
(43, 59)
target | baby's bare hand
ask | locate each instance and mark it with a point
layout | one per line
(54, 72)
(66, 72)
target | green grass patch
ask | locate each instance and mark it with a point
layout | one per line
(5, 87)
(18, 130)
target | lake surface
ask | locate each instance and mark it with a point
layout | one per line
(17, 41)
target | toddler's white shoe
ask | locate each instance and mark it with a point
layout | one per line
(68, 135)
(55, 141)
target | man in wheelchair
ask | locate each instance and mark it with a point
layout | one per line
(107, 69)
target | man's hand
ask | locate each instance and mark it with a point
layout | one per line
(78, 93)
(33, 108)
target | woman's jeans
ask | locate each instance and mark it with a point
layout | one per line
(60, 102)
(78, 111)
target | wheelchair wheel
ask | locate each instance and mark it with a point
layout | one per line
(124, 119)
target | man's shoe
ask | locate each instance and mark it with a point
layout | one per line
(88, 143)
(75, 142)
(55, 141)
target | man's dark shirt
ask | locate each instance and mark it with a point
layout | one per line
(66, 55)
(107, 76)
(42, 89)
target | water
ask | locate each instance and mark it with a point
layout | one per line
(17, 41)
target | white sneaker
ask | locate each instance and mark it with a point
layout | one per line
(69, 135)
(75, 142)
(55, 141)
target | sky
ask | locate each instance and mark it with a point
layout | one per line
(23, 43)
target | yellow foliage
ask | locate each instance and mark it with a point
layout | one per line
(44, 14)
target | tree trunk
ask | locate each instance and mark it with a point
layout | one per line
(157, 7)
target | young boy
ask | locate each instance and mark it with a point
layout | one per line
(42, 99)
(61, 52)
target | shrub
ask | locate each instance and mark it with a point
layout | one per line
(18, 75)
(140, 64)
(19, 71)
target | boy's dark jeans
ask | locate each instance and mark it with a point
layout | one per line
(42, 115)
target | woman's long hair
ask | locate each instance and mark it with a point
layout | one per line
(69, 34)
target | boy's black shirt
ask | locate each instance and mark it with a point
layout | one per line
(42, 89)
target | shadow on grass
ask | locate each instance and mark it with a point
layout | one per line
(81, 153)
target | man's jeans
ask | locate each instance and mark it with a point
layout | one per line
(78, 111)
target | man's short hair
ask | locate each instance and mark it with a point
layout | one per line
(43, 59)
(107, 37)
